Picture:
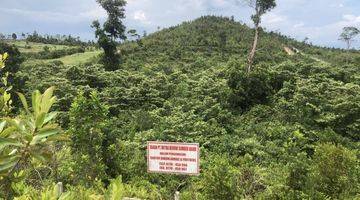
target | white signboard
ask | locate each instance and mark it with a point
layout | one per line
(176, 158)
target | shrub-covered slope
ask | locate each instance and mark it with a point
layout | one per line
(288, 130)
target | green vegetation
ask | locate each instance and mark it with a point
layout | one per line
(75, 59)
(78, 58)
(112, 30)
(287, 129)
(57, 40)
(260, 7)
(32, 47)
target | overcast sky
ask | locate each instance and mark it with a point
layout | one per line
(320, 20)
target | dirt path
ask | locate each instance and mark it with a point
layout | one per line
(292, 51)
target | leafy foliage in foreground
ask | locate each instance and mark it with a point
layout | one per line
(26, 138)
(287, 130)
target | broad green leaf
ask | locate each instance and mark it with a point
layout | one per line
(40, 120)
(8, 131)
(16, 123)
(5, 56)
(13, 152)
(6, 162)
(6, 159)
(35, 100)
(9, 88)
(44, 134)
(46, 105)
(8, 165)
(24, 102)
(49, 117)
(9, 142)
(60, 137)
(48, 94)
(2, 126)
(47, 99)
(6, 96)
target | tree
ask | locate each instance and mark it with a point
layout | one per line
(334, 171)
(14, 36)
(5, 99)
(348, 35)
(25, 138)
(306, 40)
(112, 29)
(133, 34)
(14, 61)
(260, 7)
(87, 121)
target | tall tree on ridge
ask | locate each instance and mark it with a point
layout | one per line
(112, 30)
(14, 36)
(260, 7)
(348, 35)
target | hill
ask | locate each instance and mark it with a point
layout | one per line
(288, 130)
(218, 36)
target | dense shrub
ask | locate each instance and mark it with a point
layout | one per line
(263, 135)
(13, 62)
(320, 103)
(53, 54)
(87, 120)
(334, 172)
(249, 89)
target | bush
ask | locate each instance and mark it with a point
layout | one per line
(249, 89)
(13, 65)
(87, 120)
(334, 172)
(319, 103)
(47, 54)
(117, 190)
(226, 178)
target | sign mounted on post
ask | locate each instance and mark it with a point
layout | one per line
(175, 158)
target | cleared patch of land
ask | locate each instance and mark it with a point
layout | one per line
(78, 58)
(31, 47)
(74, 59)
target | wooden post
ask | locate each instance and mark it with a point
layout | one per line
(177, 195)
(59, 188)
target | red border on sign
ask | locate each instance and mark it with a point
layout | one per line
(180, 173)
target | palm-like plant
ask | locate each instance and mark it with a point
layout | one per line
(27, 136)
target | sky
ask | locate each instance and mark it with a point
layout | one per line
(320, 20)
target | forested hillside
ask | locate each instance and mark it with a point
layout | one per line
(289, 129)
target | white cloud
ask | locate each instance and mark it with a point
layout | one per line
(140, 15)
(272, 18)
(321, 20)
(298, 25)
(219, 2)
(352, 19)
(96, 13)
(47, 16)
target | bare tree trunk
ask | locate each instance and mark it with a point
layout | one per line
(348, 43)
(253, 48)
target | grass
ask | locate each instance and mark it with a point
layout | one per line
(32, 47)
(78, 58)
(74, 59)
